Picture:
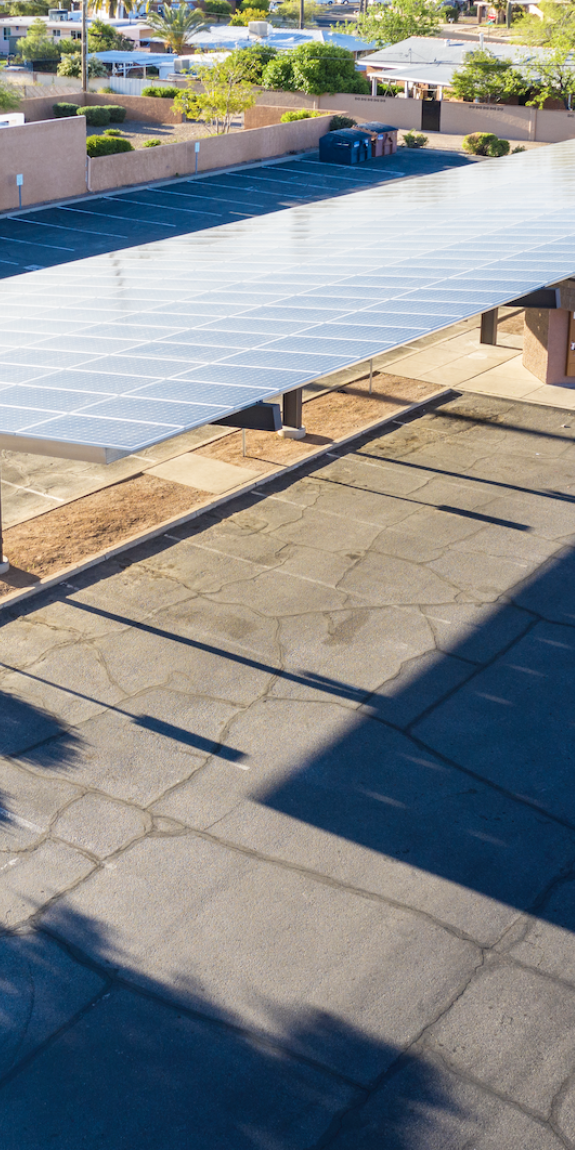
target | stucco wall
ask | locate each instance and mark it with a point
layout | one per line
(262, 115)
(552, 127)
(158, 111)
(505, 120)
(51, 157)
(148, 164)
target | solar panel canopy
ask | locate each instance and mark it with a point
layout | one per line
(106, 356)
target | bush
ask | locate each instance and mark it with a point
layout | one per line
(218, 8)
(485, 144)
(498, 148)
(415, 140)
(112, 132)
(299, 114)
(519, 148)
(62, 109)
(165, 93)
(451, 14)
(116, 111)
(151, 143)
(106, 146)
(97, 116)
(338, 122)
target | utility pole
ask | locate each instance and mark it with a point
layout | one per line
(301, 14)
(84, 50)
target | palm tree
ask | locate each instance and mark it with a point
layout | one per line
(176, 26)
(113, 8)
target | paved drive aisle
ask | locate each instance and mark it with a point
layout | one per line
(289, 818)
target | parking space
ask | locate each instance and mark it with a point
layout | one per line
(54, 235)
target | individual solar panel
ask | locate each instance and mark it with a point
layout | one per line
(265, 305)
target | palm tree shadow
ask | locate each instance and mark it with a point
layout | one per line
(88, 1059)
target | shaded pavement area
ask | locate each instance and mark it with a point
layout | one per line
(50, 236)
(288, 816)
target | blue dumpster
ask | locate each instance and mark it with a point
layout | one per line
(344, 147)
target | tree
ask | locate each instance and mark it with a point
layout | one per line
(71, 65)
(555, 30)
(315, 68)
(111, 7)
(554, 79)
(252, 61)
(36, 45)
(9, 97)
(68, 46)
(487, 78)
(386, 24)
(26, 8)
(104, 37)
(176, 26)
(224, 94)
(245, 17)
(289, 13)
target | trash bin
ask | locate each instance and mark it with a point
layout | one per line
(367, 140)
(343, 147)
(376, 139)
(386, 137)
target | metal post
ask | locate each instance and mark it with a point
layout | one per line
(292, 414)
(84, 50)
(243, 441)
(370, 374)
(488, 332)
(292, 408)
(301, 14)
(4, 564)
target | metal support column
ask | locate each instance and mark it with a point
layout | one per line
(489, 327)
(292, 408)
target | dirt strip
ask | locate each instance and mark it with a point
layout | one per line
(70, 535)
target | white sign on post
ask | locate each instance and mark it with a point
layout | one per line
(196, 150)
(19, 181)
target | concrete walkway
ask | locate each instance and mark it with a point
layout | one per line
(288, 837)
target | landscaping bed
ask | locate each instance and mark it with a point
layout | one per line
(84, 528)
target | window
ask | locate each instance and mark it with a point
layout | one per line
(6, 33)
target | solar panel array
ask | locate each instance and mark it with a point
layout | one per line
(112, 354)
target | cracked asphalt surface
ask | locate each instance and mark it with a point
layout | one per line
(288, 816)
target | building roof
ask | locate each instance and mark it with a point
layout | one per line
(422, 60)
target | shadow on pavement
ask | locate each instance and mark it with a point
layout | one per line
(120, 1069)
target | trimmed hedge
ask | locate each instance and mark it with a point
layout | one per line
(299, 114)
(62, 109)
(106, 146)
(117, 113)
(97, 116)
(166, 93)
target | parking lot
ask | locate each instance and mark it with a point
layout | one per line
(54, 235)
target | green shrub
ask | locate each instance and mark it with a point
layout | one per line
(62, 109)
(299, 114)
(338, 122)
(415, 140)
(106, 146)
(218, 7)
(151, 143)
(112, 132)
(165, 93)
(97, 116)
(498, 148)
(451, 14)
(519, 148)
(117, 113)
(485, 144)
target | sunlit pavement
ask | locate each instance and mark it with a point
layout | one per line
(288, 813)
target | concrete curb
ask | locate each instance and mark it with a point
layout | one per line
(155, 532)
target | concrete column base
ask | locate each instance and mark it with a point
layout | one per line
(546, 347)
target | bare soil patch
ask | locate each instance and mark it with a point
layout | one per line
(72, 534)
(138, 131)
